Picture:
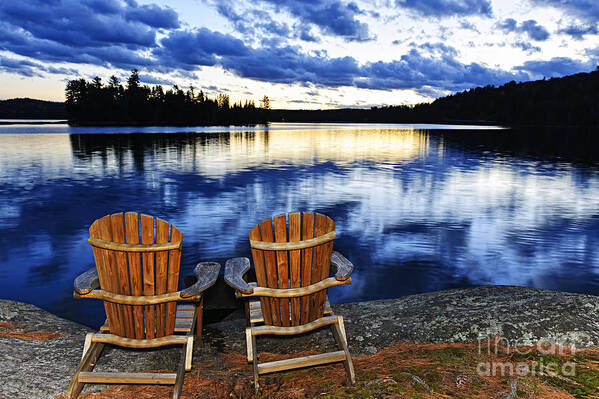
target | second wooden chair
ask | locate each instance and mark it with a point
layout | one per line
(292, 262)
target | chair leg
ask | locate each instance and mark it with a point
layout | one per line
(246, 308)
(181, 371)
(339, 333)
(87, 363)
(255, 362)
(86, 345)
(199, 320)
(248, 344)
(188, 353)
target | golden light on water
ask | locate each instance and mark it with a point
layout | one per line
(217, 154)
(307, 147)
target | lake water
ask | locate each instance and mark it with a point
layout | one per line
(417, 208)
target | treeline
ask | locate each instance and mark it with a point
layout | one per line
(93, 102)
(27, 108)
(566, 101)
(570, 100)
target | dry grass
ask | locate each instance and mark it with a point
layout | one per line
(8, 330)
(402, 370)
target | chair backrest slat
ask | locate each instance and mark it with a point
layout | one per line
(295, 235)
(147, 237)
(135, 274)
(307, 233)
(122, 269)
(105, 266)
(270, 266)
(173, 279)
(321, 264)
(292, 268)
(139, 274)
(161, 270)
(280, 227)
(260, 270)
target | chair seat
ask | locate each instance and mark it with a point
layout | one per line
(257, 317)
(183, 319)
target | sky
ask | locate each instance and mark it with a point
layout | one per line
(301, 53)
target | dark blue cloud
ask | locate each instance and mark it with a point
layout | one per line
(258, 25)
(24, 44)
(577, 32)
(526, 46)
(107, 32)
(442, 72)
(447, 8)
(436, 48)
(154, 16)
(555, 67)
(529, 27)
(331, 16)
(79, 24)
(427, 68)
(19, 67)
(288, 65)
(584, 9)
(468, 26)
(30, 68)
(593, 52)
(202, 47)
(305, 34)
(145, 78)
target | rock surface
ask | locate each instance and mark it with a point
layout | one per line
(33, 368)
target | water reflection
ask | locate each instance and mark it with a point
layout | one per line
(416, 210)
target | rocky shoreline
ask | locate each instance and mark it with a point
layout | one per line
(40, 351)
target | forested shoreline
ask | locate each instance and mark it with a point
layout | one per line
(95, 103)
(568, 101)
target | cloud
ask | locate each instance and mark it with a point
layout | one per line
(448, 8)
(154, 16)
(107, 33)
(577, 32)
(555, 67)
(189, 49)
(305, 34)
(468, 26)
(19, 67)
(436, 48)
(428, 68)
(288, 65)
(145, 78)
(530, 27)
(88, 23)
(333, 17)
(584, 9)
(441, 72)
(30, 68)
(526, 46)
(433, 65)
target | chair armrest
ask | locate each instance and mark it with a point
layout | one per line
(235, 269)
(87, 282)
(343, 267)
(206, 273)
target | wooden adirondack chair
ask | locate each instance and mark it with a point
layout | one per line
(137, 275)
(292, 268)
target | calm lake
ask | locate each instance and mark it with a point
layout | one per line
(418, 208)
